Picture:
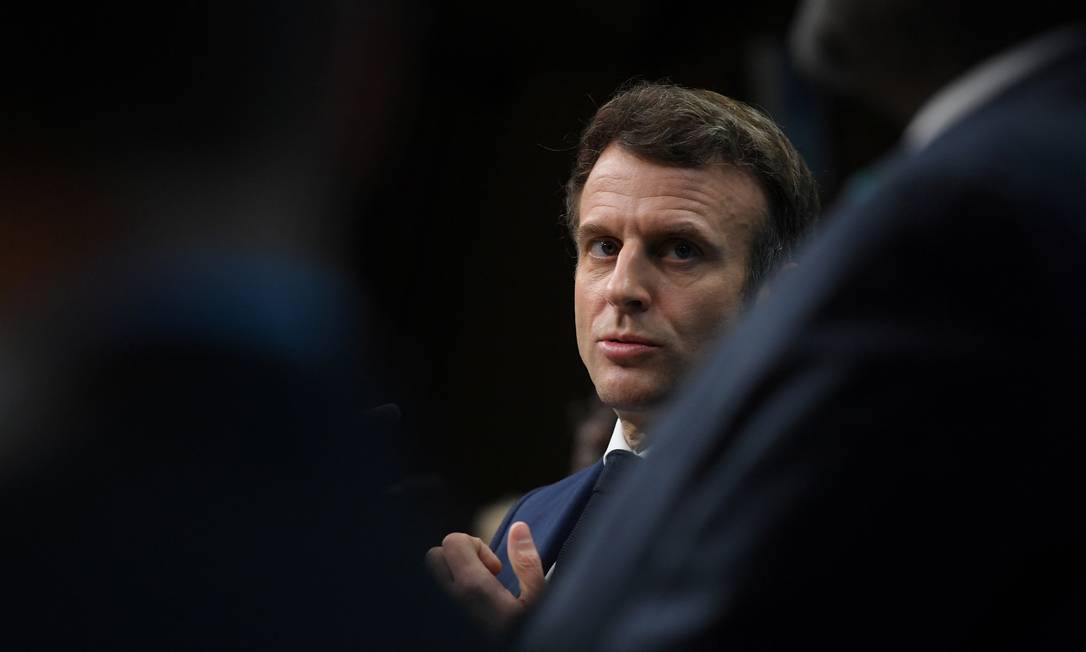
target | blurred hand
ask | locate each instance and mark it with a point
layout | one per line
(466, 567)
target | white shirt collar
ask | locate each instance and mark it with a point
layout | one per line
(618, 442)
(973, 89)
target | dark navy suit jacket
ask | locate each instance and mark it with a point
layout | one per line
(887, 453)
(550, 512)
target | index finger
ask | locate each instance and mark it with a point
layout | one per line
(463, 553)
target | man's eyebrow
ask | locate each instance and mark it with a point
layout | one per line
(590, 230)
(678, 229)
(683, 230)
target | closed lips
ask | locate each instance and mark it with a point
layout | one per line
(629, 339)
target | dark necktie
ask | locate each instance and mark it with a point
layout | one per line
(619, 463)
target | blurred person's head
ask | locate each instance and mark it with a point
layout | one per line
(895, 53)
(127, 125)
(681, 203)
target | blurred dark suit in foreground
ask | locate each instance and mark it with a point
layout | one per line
(887, 454)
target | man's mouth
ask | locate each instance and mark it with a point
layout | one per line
(626, 347)
(628, 338)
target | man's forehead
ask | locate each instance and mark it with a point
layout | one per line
(623, 185)
(617, 165)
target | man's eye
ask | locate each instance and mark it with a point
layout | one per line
(679, 250)
(604, 248)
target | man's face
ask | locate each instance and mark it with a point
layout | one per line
(661, 261)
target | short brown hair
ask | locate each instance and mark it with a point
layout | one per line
(693, 128)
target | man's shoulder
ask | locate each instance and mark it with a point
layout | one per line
(547, 502)
(550, 512)
(543, 498)
(1031, 132)
(577, 477)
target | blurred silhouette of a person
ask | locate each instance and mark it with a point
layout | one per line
(886, 453)
(187, 458)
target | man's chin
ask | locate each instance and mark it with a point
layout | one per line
(624, 398)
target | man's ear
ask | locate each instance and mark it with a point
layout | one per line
(766, 290)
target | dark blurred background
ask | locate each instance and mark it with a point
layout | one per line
(458, 237)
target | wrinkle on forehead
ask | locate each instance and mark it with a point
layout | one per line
(735, 197)
(621, 177)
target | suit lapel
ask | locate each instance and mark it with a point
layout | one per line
(551, 513)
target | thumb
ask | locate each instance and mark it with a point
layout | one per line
(525, 561)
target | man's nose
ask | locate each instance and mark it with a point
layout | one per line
(628, 286)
